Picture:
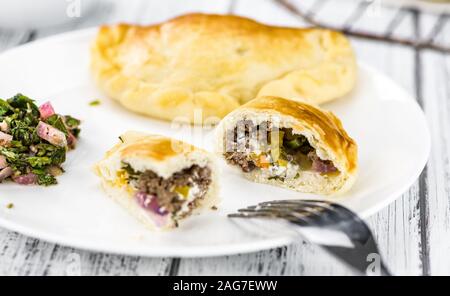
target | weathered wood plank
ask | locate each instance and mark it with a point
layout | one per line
(20, 255)
(436, 102)
(396, 228)
(299, 259)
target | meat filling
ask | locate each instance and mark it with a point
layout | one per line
(177, 195)
(280, 152)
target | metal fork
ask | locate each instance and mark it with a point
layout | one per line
(324, 215)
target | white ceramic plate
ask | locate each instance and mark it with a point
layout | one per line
(384, 120)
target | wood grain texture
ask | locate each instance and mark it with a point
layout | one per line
(413, 233)
(435, 74)
(20, 255)
(397, 228)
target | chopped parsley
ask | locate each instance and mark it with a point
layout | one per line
(132, 174)
(279, 178)
(94, 103)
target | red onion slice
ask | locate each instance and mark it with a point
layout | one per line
(150, 203)
(46, 110)
(320, 165)
(160, 217)
(71, 140)
(51, 134)
(27, 179)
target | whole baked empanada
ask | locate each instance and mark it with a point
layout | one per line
(289, 144)
(214, 63)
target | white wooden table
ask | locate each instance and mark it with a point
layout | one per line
(413, 233)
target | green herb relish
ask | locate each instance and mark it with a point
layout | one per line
(34, 141)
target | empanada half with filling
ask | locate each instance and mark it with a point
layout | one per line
(215, 63)
(159, 180)
(289, 144)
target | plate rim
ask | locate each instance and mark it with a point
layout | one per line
(420, 164)
(223, 249)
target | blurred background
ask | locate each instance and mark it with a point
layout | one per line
(417, 24)
(380, 17)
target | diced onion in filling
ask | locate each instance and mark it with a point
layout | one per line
(149, 202)
(280, 152)
(177, 195)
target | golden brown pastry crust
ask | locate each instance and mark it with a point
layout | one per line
(215, 63)
(158, 150)
(323, 130)
(151, 147)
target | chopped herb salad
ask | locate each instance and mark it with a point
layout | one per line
(34, 141)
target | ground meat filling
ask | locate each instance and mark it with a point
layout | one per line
(238, 145)
(240, 159)
(251, 147)
(170, 195)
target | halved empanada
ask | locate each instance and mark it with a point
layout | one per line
(159, 180)
(289, 144)
(215, 63)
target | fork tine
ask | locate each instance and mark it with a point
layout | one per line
(298, 202)
(294, 211)
(313, 213)
(309, 208)
(304, 212)
(332, 208)
(343, 212)
(271, 212)
(296, 220)
(324, 213)
(283, 213)
(242, 215)
(268, 211)
(304, 207)
(312, 207)
(272, 208)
